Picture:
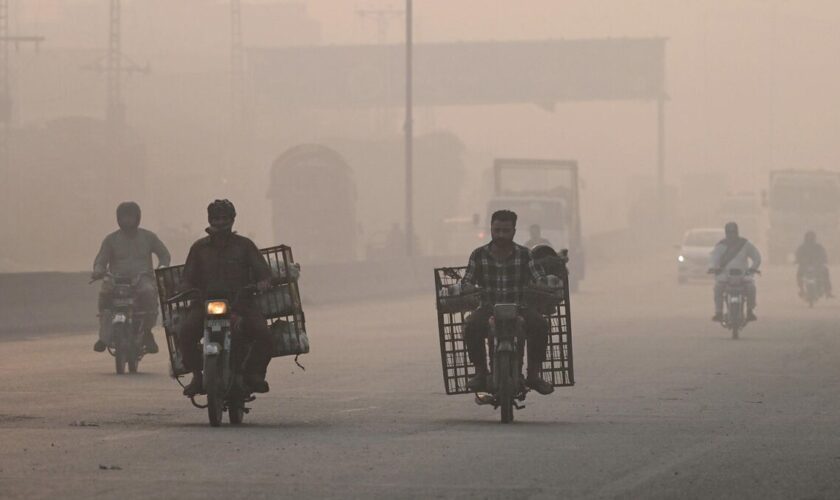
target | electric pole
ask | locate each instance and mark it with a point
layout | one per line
(409, 132)
(8, 175)
(237, 66)
(383, 19)
(115, 65)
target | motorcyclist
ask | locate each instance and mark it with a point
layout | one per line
(811, 254)
(223, 263)
(127, 253)
(536, 237)
(734, 252)
(503, 269)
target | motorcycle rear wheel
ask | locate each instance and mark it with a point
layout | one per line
(213, 386)
(506, 386)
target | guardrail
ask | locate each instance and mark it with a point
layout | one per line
(65, 302)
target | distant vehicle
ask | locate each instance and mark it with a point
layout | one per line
(812, 285)
(543, 192)
(801, 200)
(697, 245)
(313, 197)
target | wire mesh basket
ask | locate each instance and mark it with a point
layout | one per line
(280, 305)
(557, 369)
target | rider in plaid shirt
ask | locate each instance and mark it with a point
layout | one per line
(502, 269)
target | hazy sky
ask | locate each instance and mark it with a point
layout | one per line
(752, 84)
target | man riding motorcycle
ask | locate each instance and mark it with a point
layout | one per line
(502, 269)
(811, 254)
(127, 253)
(734, 253)
(224, 263)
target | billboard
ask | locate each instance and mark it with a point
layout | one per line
(468, 73)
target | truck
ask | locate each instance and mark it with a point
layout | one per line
(542, 192)
(798, 201)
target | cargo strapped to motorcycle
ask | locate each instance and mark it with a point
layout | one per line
(453, 311)
(280, 305)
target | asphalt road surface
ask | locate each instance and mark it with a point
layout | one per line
(665, 406)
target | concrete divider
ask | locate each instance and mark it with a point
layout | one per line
(65, 302)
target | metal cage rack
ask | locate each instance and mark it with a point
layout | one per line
(452, 313)
(281, 306)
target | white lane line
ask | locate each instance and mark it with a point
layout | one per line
(352, 410)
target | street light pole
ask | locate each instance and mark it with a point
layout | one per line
(409, 134)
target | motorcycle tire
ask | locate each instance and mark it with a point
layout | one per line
(507, 388)
(215, 390)
(236, 414)
(133, 355)
(118, 335)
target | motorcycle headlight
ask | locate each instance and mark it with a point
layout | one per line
(681, 258)
(217, 308)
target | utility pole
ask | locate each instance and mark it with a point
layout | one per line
(409, 132)
(116, 64)
(237, 66)
(382, 116)
(6, 101)
(8, 175)
(383, 19)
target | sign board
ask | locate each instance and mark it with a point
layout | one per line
(468, 73)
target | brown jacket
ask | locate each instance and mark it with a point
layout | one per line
(224, 265)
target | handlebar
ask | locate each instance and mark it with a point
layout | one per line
(749, 272)
(247, 289)
(110, 275)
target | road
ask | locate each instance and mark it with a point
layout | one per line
(665, 406)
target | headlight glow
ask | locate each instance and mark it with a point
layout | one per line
(217, 308)
(681, 258)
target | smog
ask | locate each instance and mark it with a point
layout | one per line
(381, 248)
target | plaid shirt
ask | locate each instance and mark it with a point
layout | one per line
(502, 281)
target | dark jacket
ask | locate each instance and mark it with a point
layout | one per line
(811, 255)
(223, 265)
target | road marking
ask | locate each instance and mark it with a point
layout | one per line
(352, 410)
(129, 435)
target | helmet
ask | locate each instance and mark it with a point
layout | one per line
(128, 209)
(810, 237)
(731, 230)
(221, 207)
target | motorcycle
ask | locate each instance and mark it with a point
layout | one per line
(506, 343)
(224, 357)
(812, 287)
(735, 300)
(127, 325)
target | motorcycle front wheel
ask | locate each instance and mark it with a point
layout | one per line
(236, 414)
(133, 355)
(120, 348)
(215, 390)
(506, 386)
